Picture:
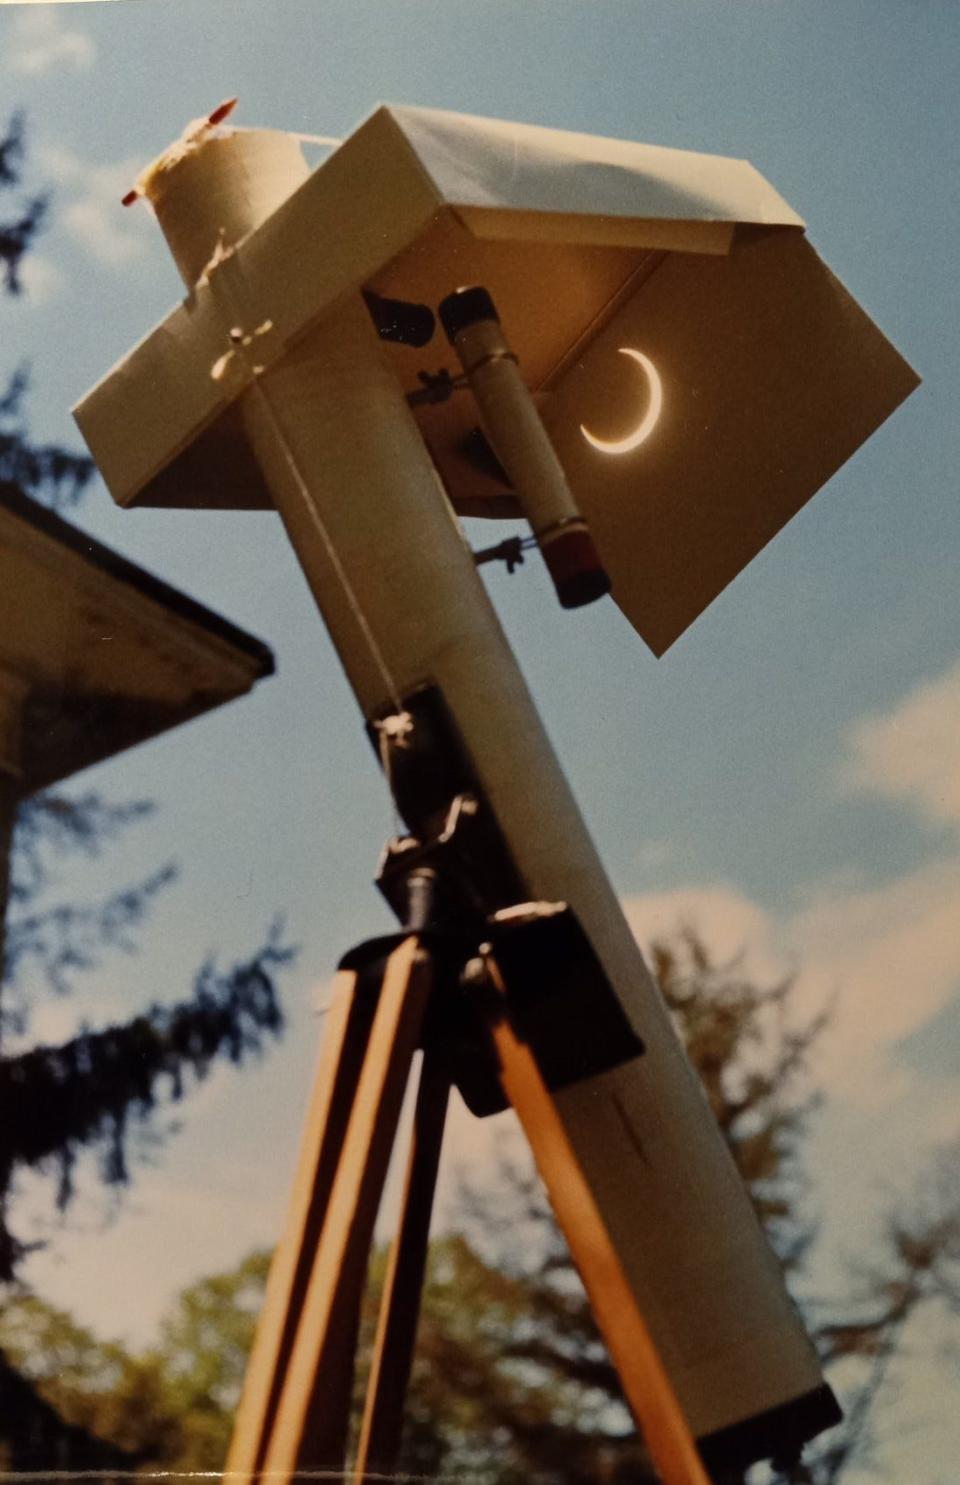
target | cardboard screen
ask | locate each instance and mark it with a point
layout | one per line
(771, 377)
(771, 374)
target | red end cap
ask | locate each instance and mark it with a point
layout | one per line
(222, 111)
(574, 564)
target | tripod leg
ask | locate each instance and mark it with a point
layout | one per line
(645, 1382)
(341, 1055)
(310, 1426)
(400, 1306)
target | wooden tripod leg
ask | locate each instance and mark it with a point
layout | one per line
(341, 1056)
(400, 1305)
(310, 1426)
(648, 1389)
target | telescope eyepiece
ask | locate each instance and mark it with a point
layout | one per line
(465, 307)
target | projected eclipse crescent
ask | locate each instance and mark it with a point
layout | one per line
(648, 422)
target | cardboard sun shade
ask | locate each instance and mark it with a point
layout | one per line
(761, 373)
(102, 654)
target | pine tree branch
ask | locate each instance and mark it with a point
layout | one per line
(58, 1101)
(66, 940)
(12, 151)
(17, 234)
(48, 473)
(51, 823)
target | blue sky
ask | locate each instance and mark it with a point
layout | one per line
(787, 775)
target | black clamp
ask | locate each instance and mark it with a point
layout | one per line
(510, 551)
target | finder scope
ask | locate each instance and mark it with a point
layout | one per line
(521, 444)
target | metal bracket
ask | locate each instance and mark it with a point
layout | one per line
(510, 551)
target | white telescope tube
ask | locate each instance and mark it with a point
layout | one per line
(235, 181)
(520, 442)
(398, 589)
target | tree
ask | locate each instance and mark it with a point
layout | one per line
(167, 1408)
(511, 1382)
(753, 1060)
(916, 1269)
(17, 231)
(202, 1353)
(96, 1093)
(97, 1392)
(544, 1362)
(47, 472)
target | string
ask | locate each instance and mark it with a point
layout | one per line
(303, 490)
(240, 343)
(325, 139)
(394, 729)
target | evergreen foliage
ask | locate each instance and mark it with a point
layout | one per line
(84, 1094)
(17, 231)
(48, 473)
(53, 475)
(99, 1090)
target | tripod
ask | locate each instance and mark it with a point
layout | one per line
(482, 998)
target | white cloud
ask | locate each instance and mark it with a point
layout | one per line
(91, 222)
(885, 958)
(886, 961)
(888, 955)
(892, 956)
(40, 282)
(42, 41)
(62, 165)
(912, 753)
(727, 920)
(89, 197)
(207, 1226)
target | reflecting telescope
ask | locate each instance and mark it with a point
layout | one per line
(688, 373)
(771, 375)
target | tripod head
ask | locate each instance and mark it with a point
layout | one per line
(451, 883)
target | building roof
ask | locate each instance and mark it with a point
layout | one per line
(102, 654)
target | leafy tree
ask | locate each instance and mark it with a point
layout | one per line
(202, 1353)
(753, 1059)
(95, 1387)
(98, 1092)
(169, 1407)
(916, 1269)
(56, 476)
(511, 1382)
